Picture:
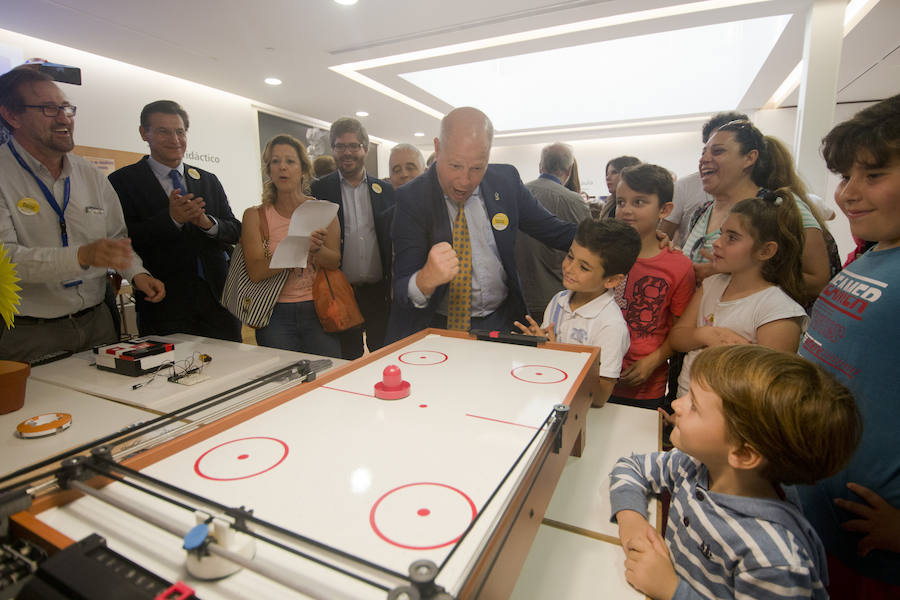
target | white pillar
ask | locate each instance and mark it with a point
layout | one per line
(822, 43)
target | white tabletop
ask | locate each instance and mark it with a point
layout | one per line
(232, 364)
(92, 418)
(576, 553)
(566, 565)
(582, 496)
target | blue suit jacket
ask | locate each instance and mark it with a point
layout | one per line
(421, 221)
(329, 188)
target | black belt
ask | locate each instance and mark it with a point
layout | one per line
(80, 313)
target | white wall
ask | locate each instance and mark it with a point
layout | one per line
(224, 132)
(677, 152)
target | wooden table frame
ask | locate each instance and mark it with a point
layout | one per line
(496, 572)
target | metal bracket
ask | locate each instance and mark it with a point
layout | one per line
(10, 503)
(421, 577)
(560, 414)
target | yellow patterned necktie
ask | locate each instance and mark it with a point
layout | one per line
(460, 305)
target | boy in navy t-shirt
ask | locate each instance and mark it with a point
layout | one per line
(853, 334)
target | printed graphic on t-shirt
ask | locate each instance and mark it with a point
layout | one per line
(578, 336)
(851, 294)
(647, 298)
(846, 295)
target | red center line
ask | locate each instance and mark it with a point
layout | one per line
(348, 391)
(501, 421)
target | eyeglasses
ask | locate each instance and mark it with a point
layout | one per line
(166, 132)
(51, 110)
(353, 147)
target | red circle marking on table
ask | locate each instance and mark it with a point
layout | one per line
(423, 406)
(436, 357)
(243, 456)
(423, 512)
(280, 460)
(419, 512)
(560, 371)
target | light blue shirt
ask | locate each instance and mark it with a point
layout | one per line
(489, 288)
(360, 258)
(162, 176)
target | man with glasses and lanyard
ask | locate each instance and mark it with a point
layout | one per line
(181, 224)
(61, 222)
(365, 210)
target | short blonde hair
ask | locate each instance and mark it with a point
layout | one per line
(269, 192)
(798, 417)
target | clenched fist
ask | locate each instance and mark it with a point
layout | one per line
(441, 266)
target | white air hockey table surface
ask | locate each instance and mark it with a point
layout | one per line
(460, 472)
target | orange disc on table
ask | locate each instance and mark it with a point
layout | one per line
(45, 424)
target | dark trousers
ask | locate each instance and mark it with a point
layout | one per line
(375, 305)
(189, 307)
(34, 338)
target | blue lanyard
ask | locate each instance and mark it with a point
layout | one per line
(60, 212)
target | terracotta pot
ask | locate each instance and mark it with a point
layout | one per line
(13, 376)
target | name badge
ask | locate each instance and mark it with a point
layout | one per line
(194, 173)
(376, 188)
(95, 210)
(500, 221)
(28, 206)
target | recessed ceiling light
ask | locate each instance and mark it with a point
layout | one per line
(346, 2)
(273, 81)
(362, 113)
(419, 134)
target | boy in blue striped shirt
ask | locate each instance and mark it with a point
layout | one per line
(753, 419)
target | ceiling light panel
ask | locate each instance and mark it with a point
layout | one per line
(686, 71)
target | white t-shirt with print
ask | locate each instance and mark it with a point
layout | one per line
(743, 316)
(597, 323)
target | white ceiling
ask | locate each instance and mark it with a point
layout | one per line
(232, 45)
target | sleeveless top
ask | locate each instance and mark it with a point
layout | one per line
(298, 287)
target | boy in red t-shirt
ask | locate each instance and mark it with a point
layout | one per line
(656, 291)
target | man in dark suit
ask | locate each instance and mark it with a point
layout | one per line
(181, 225)
(494, 205)
(365, 208)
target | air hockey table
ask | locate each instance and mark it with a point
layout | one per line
(438, 494)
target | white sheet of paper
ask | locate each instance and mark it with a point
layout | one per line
(311, 215)
(292, 251)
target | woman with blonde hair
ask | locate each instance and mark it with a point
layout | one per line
(287, 174)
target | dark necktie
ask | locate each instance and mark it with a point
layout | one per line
(175, 176)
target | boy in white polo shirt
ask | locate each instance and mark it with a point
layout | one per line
(586, 311)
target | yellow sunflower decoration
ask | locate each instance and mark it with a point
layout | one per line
(9, 297)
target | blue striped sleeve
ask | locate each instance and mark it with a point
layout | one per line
(635, 477)
(778, 583)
